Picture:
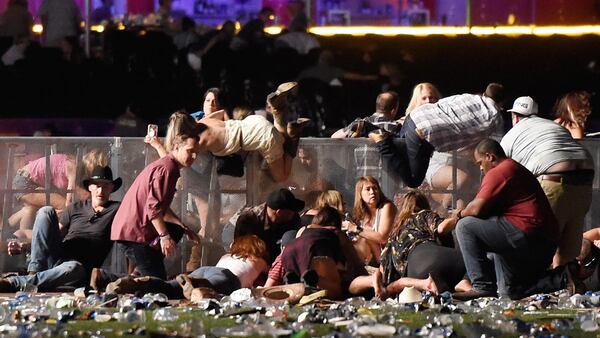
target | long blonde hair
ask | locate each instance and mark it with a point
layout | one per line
(93, 158)
(181, 127)
(330, 198)
(413, 104)
(361, 209)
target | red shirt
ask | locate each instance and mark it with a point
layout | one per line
(277, 271)
(513, 192)
(149, 196)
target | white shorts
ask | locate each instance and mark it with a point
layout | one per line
(438, 160)
(254, 133)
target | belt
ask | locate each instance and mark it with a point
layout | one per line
(579, 177)
(553, 178)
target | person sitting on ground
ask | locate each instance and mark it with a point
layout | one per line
(63, 172)
(509, 218)
(564, 168)
(572, 112)
(240, 268)
(276, 216)
(277, 143)
(373, 216)
(65, 248)
(455, 122)
(386, 107)
(419, 253)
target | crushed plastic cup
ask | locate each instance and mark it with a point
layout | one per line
(166, 314)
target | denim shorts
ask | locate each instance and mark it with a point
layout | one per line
(21, 181)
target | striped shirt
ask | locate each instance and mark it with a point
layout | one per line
(458, 121)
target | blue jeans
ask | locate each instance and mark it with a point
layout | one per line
(222, 280)
(148, 261)
(519, 260)
(46, 256)
(407, 155)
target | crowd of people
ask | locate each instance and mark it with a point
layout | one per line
(520, 233)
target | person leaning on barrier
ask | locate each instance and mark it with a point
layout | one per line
(65, 248)
(386, 107)
(455, 122)
(564, 168)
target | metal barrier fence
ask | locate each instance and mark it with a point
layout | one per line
(206, 200)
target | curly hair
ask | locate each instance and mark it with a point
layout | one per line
(574, 107)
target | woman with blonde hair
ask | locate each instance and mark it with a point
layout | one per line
(373, 215)
(572, 111)
(328, 198)
(423, 93)
(418, 253)
(63, 176)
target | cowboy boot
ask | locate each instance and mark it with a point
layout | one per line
(294, 130)
(189, 283)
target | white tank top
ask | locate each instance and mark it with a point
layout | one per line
(246, 270)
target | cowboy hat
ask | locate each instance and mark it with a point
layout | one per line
(289, 292)
(103, 175)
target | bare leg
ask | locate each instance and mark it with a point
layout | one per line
(57, 201)
(360, 284)
(463, 286)
(24, 218)
(427, 284)
(380, 289)
(280, 169)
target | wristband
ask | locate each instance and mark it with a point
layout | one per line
(164, 234)
(359, 229)
(459, 214)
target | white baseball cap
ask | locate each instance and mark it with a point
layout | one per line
(525, 106)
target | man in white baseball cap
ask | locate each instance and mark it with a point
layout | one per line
(524, 106)
(562, 165)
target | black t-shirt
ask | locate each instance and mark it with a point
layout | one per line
(88, 236)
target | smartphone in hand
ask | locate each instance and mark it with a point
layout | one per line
(152, 130)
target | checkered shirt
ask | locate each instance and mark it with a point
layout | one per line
(378, 120)
(458, 121)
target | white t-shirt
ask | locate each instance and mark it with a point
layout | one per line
(538, 144)
(246, 270)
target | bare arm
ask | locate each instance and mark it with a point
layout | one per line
(388, 213)
(156, 144)
(477, 208)
(339, 134)
(447, 225)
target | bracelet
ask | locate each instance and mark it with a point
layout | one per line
(359, 229)
(459, 214)
(164, 234)
(167, 236)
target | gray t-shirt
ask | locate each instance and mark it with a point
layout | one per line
(538, 144)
